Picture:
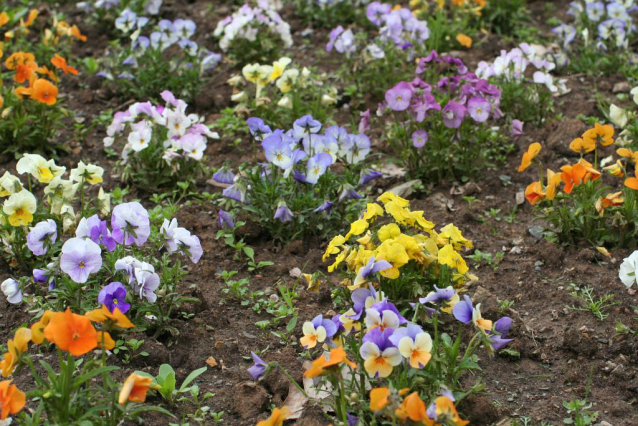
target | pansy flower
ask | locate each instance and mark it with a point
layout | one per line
(258, 368)
(466, 312)
(379, 354)
(42, 236)
(316, 331)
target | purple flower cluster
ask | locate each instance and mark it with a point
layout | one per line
(398, 26)
(305, 154)
(465, 95)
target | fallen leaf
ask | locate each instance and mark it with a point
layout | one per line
(295, 401)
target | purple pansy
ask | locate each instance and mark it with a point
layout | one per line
(97, 231)
(130, 224)
(368, 175)
(453, 115)
(326, 206)
(42, 236)
(372, 267)
(398, 98)
(114, 296)
(225, 220)
(439, 295)
(419, 138)
(517, 128)
(283, 213)
(410, 331)
(224, 175)
(80, 258)
(258, 368)
(479, 109)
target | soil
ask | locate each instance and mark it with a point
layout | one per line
(564, 353)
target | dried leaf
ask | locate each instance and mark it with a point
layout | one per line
(295, 401)
(211, 362)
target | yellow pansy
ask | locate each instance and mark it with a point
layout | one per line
(394, 253)
(38, 167)
(388, 197)
(399, 213)
(450, 234)
(278, 68)
(20, 208)
(450, 257)
(340, 258)
(357, 227)
(288, 80)
(333, 246)
(372, 211)
(389, 231)
(415, 218)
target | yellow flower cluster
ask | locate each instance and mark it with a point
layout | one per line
(408, 239)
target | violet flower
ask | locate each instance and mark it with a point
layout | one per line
(368, 175)
(42, 236)
(259, 367)
(40, 276)
(114, 296)
(398, 98)
(517, 128)
(411, 331)
(130, 224)
(97, 231)
(501, 326)
(439, 295)
(224, 175)
(258, 128)
(283, 213)
(225, 220)
(235, 192)
(317, 166)
(305, 126)
(80, 258)
(453, 115)
(277, 151)
(372, 267)
(419, 138)
(325, 206)
(479, 109)
(364, 124)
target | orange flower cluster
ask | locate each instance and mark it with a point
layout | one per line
(27, 70)
(412, 407)
(323, 365)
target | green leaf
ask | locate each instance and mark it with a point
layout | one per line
(191, 377)
(250, 253)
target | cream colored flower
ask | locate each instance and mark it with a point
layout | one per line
(89, 172)
(9, 184)
(35, 165)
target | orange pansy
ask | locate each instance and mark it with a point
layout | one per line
(105, 341)
(580, 146)
(71, 332)
(16, 347)
(75, 32)
(18, 58)
(37, 329)
(413, 408)
(464, 40)
(33, 13)
(534, 192)
(632, 182)
(603, 135)
(134, 389)
(4, 18)
(116, 318)
(533, 150)
(609, 200)
(276, 418)
(337, 356)
(24, 72)
(44, 91)
(60, 63)
(553, 180)
(379, 398)
(12, 399)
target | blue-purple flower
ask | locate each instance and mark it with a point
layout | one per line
(224, 175)
(114, 296)
(130, 224)
(317, 166)
(372, 267)
(225, 220)
(258, 368)
(277, 151)
(97, 231)
(326, 206)
(368, 175)
(42, 236)
(283, 213)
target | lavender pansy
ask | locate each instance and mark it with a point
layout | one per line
(42, 236)
(130, 224)
(80, 258)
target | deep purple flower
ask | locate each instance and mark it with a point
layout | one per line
(398, 98)
(42, 236)
(224, 175)
(283, 213)
(479, 109)
(368, 175)
(419, 138)
(502, 327)
(259, 367)
(225, 220)
(114, 296)
(325, 206)
(453, 115)
(360, 298)
(351, 420)
(130, 224)
(517, 128)
(80, 258)
(379, 337)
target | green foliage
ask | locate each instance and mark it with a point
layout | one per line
(166, 383)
